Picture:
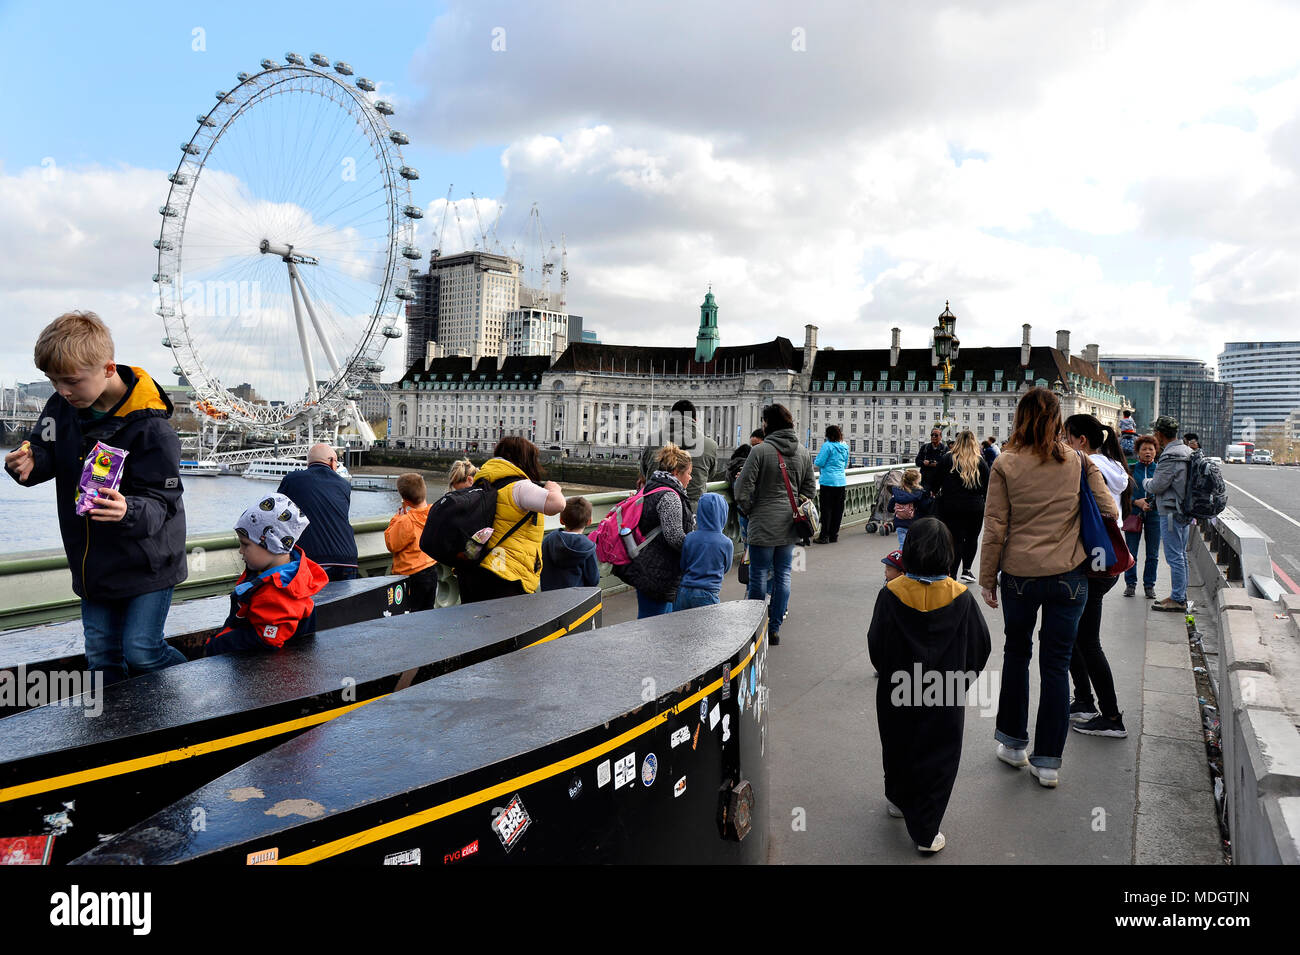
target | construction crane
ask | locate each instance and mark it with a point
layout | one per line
(443, 225)
(482, 234)
(564, 272)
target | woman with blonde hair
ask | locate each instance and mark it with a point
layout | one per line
(462, 474)
(963, 482)
(656, 571)
(1032, 537)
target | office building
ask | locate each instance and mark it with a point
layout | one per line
(1183, 388)
(1265, 379)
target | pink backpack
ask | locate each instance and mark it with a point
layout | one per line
(610, 547)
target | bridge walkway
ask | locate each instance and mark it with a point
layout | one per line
(1143, 799)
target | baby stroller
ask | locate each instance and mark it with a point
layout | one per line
(881, 520)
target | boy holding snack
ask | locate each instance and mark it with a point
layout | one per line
(272, 600)
(104, 439)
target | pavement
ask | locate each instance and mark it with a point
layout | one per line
(1144, 799)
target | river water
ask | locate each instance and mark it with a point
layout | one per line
(212, 505)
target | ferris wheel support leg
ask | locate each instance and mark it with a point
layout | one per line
(308, 365)
(320, 332)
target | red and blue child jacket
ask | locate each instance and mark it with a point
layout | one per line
(268, 609)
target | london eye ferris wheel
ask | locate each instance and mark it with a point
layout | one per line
(284, 236)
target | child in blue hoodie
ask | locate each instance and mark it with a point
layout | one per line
(706, 555)
(568, 557)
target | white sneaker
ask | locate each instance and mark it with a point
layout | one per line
(939, 843)
(893, 810)
(1012, 757)
(1046, 777)
(968, 577)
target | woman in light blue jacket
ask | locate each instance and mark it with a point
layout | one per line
(832, 459)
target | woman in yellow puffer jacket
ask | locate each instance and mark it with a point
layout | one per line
(514, 567)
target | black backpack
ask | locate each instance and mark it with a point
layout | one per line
(457, 516)
(1206, 495)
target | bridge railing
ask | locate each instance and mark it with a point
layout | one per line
(1261, 746)
(36, 587)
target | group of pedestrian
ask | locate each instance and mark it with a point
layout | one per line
(1027, 506)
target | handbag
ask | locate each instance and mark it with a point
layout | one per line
(1133, 523)
(742, 568)
(807, 523)
(1108, 553)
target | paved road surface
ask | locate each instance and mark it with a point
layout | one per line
(1269, 498)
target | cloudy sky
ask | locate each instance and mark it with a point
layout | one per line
(1124, 170)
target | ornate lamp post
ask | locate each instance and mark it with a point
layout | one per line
(946, 347)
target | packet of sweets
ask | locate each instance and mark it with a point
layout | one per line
(103, 469)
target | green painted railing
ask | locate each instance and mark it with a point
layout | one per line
(36, 587)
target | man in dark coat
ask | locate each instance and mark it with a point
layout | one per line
(325, 497)
(929, 642)
(928, 462)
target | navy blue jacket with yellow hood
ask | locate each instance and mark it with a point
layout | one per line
(145, 551)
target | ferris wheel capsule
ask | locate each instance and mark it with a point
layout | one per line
(354, 394)
(374, 367)
(411, 252)
(164, 311)
(224, 97)
(365, 84)
(384, 107)
(178, 178)
(190, 149)
(161, 278)
(168, 211)
(203, 120)
(409, 172)
(392, 331)
(295, 59)
(320, 59)
(163, 245)
(269, 64)
(178, 371)
(167, 343)
(400, 138)
(405, 294)
(413, 212)
(243, 77)
(343, 69)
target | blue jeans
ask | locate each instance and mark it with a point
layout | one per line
(647, 606)
(125, 637)
(1151, 533)
(902, 535)
(771, 564)
(1062, 598)
(688, 597)
(1174, 535)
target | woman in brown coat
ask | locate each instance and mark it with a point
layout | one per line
(1031, 536)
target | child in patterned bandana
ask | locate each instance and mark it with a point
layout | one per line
(272, 600)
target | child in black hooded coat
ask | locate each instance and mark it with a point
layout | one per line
(929, 641)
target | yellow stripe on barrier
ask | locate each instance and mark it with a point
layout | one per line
(563, 630)
(174, 755)
(434, 813)
(199, 749)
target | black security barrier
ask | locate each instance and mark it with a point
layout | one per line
(47, 663)
(92, 766)
(640, 743)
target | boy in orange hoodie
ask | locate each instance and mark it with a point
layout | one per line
(403, 541)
